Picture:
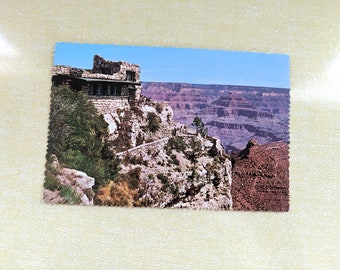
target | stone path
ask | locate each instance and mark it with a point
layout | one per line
(145, 145)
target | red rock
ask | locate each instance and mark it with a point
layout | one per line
(260, 177)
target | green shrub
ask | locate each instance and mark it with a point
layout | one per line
(122, 142)
(220, 158)
(217, 179)
(194, 150)
(178, 169)
(139, 139)
(194, 175)
(137, 110)
(155, 153)
(174, 159)
(175, 143)
(173, 189)
(165, 181)
(51, 182)
(200, 129)
(69, 195)
(133, 159)
(79, 136)
(213, 151)
(133, 177)
(153, 122)
(161, 163)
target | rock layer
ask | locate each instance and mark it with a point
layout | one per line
(260, 177)
(232, 113)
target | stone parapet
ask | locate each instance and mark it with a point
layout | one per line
(115, 69)
(64, 70)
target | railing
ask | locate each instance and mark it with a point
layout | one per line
(145, 145)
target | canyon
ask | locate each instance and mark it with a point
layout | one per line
(240, 164)
(234, 114)
(252, 124)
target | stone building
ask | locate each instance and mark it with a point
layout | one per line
(107, 79)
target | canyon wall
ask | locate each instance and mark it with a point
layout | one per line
(261, 177)
(234, 114)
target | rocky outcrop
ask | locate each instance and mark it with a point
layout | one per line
(186, 172)
(129, 122)
(163, 164)
(260, 177)
(112, 110)
(53, 197)
(76, 184)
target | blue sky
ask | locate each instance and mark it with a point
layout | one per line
(204, 66)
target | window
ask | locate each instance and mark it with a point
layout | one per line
(107, 71)
(99, 89)
(104, 89)
(116, 91)
(108, 90)
(90, 92)
(130, 76)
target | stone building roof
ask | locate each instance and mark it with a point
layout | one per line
(102, 70)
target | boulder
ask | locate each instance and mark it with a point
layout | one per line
(79, 181)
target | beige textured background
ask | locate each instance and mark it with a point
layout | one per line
(38, 236)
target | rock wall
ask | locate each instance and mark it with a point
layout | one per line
(119, 113)
(116, 70)
(119, 69)
(260, 177)
(61, 70)
(110, 108)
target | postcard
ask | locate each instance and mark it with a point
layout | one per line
(134, 126)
